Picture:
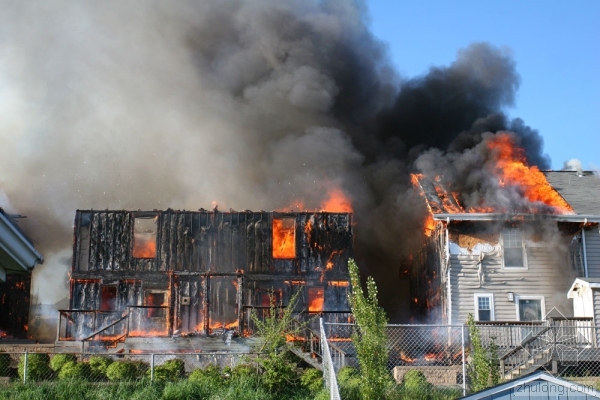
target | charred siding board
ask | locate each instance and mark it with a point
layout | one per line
(545, 276)
(592, 248)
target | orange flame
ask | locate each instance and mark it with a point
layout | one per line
(284, 238)
(337, 202)
(339, 283)
(149, 333)
(512, 170)
(143, 248)
(315, 299)
(219, 325)
(406, 358)
(434, 356)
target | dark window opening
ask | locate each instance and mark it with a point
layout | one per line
(108, 298)
(144, 238)
(155, 299)
(530, 309)
(284, 238)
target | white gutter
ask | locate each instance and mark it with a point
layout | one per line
(516, 217)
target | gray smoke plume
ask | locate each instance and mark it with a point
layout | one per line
(254, 105)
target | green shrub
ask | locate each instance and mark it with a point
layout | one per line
(99, 365)
(210, 376)
(126, 370)
(242, 371)
(57, 361)
(75, 370)
(38, 367)
(171, 370)
(312, 379)
(4, 364)
(415, 381)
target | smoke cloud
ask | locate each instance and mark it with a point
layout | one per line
(254, 105)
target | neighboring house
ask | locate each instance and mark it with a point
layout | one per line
(197, 273)
(18, 257)
(540, 386)
(513, 267)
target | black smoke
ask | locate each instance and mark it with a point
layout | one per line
(250, 104)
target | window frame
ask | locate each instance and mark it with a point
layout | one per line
(523, 250)
(531, 297)
(476, 297)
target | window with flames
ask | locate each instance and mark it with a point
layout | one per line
(284, 238)
(144, 237)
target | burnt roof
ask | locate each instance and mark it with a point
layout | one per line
(580, 190)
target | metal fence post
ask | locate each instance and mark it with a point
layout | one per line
(152, 367)
(464, 366)
(25, 367)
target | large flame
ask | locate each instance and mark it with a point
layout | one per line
(315, 299)
(284, 238)
(337, 202)
(512, 170)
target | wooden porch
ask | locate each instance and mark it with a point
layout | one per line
(524, 347)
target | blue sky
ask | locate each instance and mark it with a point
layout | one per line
(556, 46)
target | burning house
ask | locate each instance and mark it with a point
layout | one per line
(200, 273)
(18, 257)
(513, 255)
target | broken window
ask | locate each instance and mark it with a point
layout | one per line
(484, 307)
(144, 237)
(108, 298)
(284, 238)
(513, 249)
(316, 299)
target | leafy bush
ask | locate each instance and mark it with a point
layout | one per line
(99, 364)
(415, 381)
(210, 376)
(4, 364)
(171, 370)
(58, 360)
(484, 370)
(38, 367)
(312, 379)
(75, 370)
(349, 382)
(242, 371)
(126, 370)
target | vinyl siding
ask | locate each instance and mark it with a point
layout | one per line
(592, 248)
(545, 276)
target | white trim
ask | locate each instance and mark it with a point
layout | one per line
(524, 254)
(530, 297)
(476, 304)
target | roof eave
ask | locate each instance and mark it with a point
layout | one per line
(17, 246)
(516, 217)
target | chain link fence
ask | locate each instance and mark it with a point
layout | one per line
(568, 349)
(36, 367)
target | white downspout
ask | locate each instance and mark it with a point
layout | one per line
(585, 264)
(449, 286)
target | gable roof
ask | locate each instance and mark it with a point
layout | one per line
(580, 189)
(539, 384)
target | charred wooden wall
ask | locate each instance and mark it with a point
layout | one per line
(14, 304)
(212, 265)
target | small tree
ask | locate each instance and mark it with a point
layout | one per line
(278, 372)
(484, 370)
(370, 337)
